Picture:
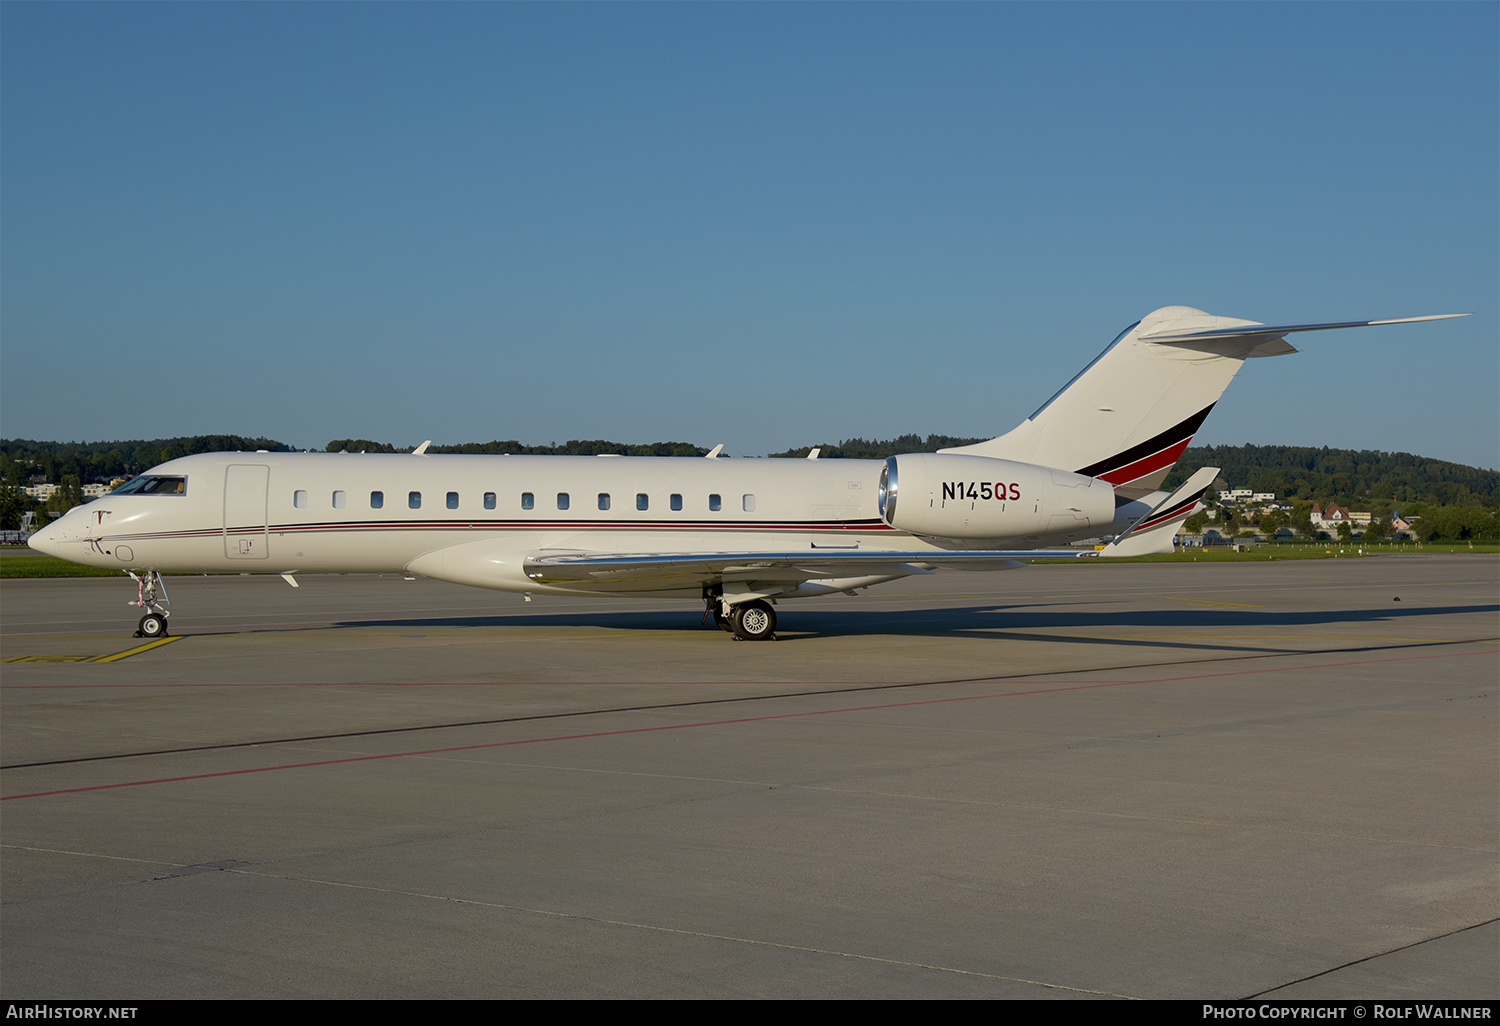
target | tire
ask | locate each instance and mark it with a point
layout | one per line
(753, 621)
(152, 625)
(723, 621)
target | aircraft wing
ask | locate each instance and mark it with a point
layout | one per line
(810, 565)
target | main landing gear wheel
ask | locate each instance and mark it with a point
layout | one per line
(152, 625)
(753, 621)
(722, 620)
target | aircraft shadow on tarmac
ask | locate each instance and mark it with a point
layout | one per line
(1000, 623)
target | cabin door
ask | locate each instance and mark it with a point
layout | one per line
(245, 532)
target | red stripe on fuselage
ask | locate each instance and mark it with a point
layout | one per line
(1146, 466)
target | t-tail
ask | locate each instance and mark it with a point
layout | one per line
(1127, 417)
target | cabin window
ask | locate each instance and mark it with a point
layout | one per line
(676, 501)
(489, 500)
(338, 500)
(377, 500)
(604, 500)
(453, 500)
(642, 501)
(299, 498)
(562, 500)
(747, 502)
(715, 503)
(528, 501)
(414, 500)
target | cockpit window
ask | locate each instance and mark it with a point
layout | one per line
(148, 484)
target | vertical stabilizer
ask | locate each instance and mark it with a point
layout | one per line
(1128, 415)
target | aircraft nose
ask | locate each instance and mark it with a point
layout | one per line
(45, 540)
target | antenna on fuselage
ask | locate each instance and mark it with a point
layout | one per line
(421, 450)
(714, 453)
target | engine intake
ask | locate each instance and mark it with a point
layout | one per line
(952, 496)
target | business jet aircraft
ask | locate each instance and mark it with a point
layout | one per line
(735, 534)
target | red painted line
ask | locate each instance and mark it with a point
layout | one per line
(509, 526)
(1088, 686)
(1146, 465)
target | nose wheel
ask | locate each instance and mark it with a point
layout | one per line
(152, 625)
(151, 595)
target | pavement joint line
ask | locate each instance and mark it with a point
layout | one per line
(91, 855)
(1378, 954)
(677, 931)
(697, 703)
(652, 729)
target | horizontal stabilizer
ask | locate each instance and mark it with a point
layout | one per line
(1152, 534)
(1267, 332)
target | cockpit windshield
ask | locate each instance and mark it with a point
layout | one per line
(149, 484)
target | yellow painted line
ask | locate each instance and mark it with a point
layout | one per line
(92, 658)
(51, 659)
(1210, 602)
(136, 651)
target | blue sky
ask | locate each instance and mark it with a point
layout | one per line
(758, 224)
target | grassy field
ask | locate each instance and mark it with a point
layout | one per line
(19, 561)
(1321, 550)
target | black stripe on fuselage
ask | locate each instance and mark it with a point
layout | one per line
(1165, 440)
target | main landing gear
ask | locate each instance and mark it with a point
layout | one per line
(747, 621)
(753, 621)
(147, 585)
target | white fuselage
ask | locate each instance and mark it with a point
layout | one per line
(475, 519)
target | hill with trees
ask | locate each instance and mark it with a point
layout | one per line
(860, 449)
(1349, 477)
(37, 461)
(575, 447)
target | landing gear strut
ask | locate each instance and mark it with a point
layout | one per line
(713, 606)
(147, 586)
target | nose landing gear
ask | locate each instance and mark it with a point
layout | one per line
(148, 584)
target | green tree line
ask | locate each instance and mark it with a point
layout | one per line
(862, 449)
(31, 460)
(1349, 477)
(575, 447)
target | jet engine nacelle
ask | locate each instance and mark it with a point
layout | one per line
(953, 496)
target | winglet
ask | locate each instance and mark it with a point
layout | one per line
(1151, 535)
